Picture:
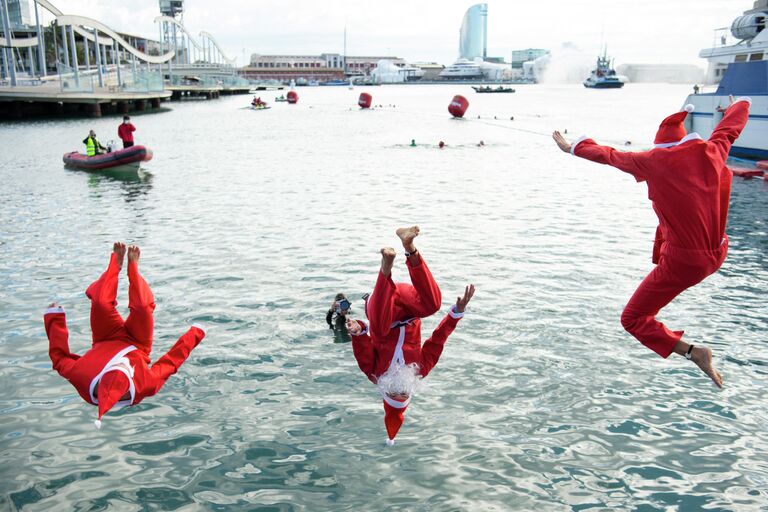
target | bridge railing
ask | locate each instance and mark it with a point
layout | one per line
(71, 80)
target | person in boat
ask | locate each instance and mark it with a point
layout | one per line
(125, 132)
(388, 350)
(116, 371)
(690, 187)
(257, 102)
(92, 145)
(337, 313)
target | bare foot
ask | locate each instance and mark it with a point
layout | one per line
(133, 254)
(119, 249)
(407, 235)
(387, 260)
(702, 356)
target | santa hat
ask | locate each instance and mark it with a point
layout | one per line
(394, 416)
(671, 131)
(112, 386)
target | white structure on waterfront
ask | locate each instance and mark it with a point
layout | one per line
(473, 37)
(388, 72)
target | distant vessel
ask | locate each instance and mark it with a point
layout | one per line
(742, 70)
(335, 82)
(488, 88)
(463, 69)
(603, 76)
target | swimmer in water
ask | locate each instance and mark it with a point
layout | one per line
(413, 143)
(337, 313)
(116, 370)
(441, 145)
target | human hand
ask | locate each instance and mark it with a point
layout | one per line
(561, 142)
(461, 302)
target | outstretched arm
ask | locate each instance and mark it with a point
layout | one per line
(433, 347)
(362, 347)
(170, 362)
(58, 340)
(631, 163)
(730, 126)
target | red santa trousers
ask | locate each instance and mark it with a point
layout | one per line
(392, 302)
(678, 270)
(106, 322)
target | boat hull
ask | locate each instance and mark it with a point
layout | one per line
(604, 85)
(753, 141)
(128, 159)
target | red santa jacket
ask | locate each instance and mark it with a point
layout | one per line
(689, 184)
(374, 358)
(125, 132)
(84, 372)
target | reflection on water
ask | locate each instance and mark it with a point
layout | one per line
(249, 222)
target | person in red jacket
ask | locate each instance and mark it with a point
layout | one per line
(116, 371)
(125, 132)
(689, 186)
(398, 369)
(395, 312)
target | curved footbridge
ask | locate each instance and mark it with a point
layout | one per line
(120, 72)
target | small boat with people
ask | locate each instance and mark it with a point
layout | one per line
(281, 98)
(488, 88)
(128, 159)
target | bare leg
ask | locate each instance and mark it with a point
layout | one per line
(702, 357)
(387, 260)
(140, 323)
(106, 322)
(406, 236)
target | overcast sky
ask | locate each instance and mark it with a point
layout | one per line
(667, 31)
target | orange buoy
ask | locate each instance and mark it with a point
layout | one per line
(458, 106)
(292, 97)
(747, 174)
(365, 100)
(763, 164)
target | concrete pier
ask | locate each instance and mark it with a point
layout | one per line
(22, 102)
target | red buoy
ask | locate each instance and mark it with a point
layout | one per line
(365, 100)
(458, 106)
(292, 97)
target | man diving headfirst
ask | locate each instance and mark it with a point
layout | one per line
(116, 370)
(690, 187)
(389, 351)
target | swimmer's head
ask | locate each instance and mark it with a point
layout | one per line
(341, 304)
(441, 145)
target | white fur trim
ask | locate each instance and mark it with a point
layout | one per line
(454, 314)
(97, 424)
(577, 142)
(201, 327)
(390, 442)
(395, 403)
(689, 108)
(111, 366)
(57, 309)
(690, 136)
(743, 98)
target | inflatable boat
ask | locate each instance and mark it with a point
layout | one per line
(127, 159)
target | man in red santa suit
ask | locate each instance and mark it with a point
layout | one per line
(116, 370)
(389, 351)
(690, 187)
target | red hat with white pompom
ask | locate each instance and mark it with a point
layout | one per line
(394, 416)
(672, 130)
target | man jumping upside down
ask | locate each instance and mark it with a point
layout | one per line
(389, 351)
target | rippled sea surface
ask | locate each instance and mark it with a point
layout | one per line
(250, 222)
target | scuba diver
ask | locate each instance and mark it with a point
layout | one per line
(92, 145)
(337, 317)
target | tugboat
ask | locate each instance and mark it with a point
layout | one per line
(603, 76)
(739, 65)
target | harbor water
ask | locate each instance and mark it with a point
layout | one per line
(251, 221)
